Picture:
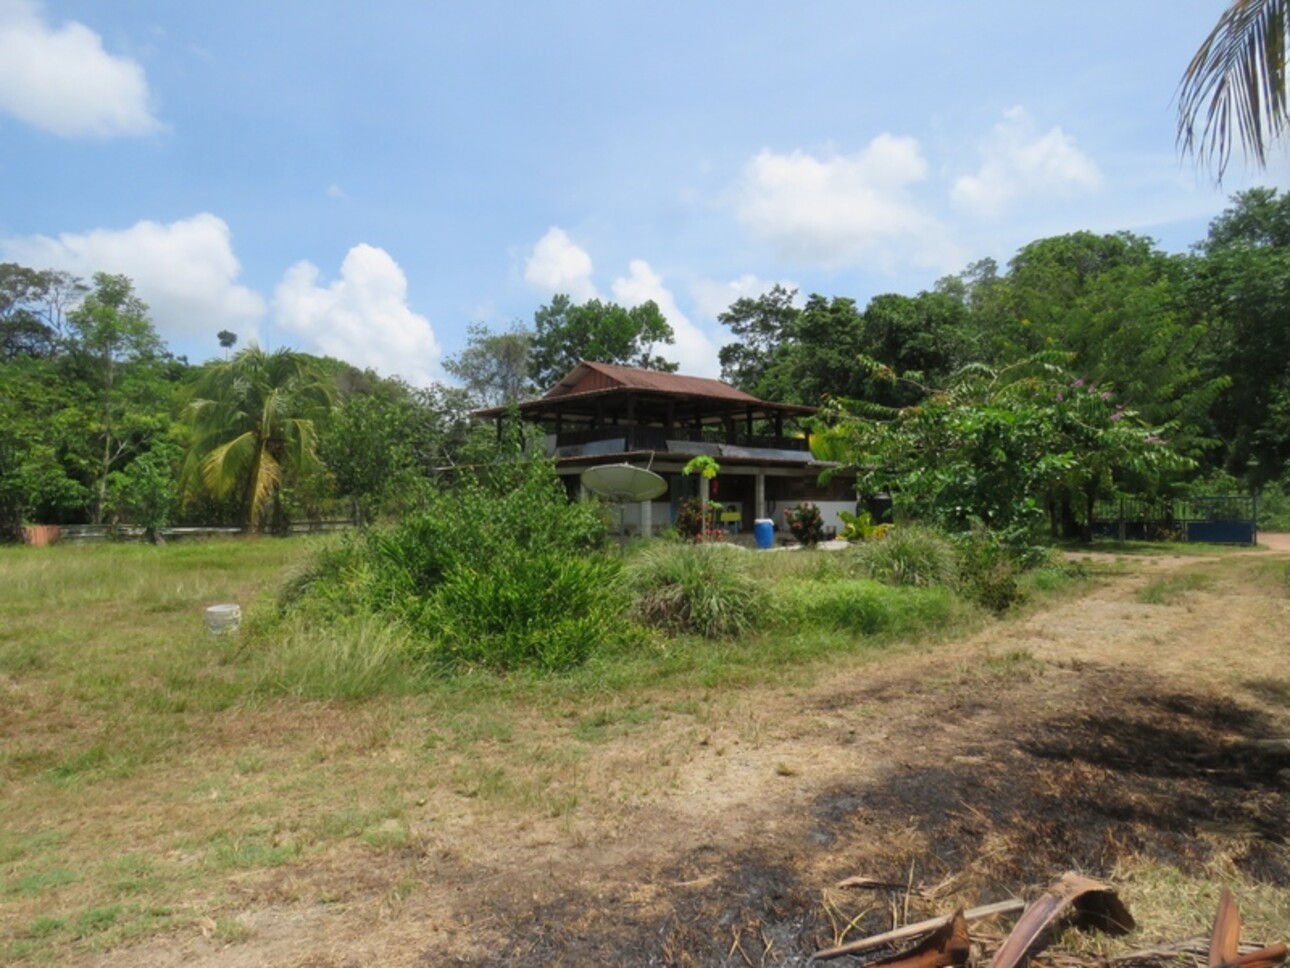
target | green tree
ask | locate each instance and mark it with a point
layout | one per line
(565, 333)
(383, 446)
(252, 420)
(494, 367)
(145, 492)
(33, 308)
(1240, 285)
(1002, 446)
(119, 357)
(35, 485)
(762, 327)
(1236, 82)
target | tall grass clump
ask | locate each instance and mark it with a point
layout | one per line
(909, 555)
(500, 570)
(695, 589)
(354, 657)
(861, 607)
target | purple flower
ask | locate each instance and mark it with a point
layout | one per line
(1117, 416)
(1106, 394)
(1061, 397)
(1078, 383)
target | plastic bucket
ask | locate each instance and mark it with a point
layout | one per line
(223, 618)
(764, 532)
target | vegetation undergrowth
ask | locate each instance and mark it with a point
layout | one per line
(695, 589)
(502, 572)
(255, 749)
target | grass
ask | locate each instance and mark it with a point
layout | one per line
(147, 762)
(1170, 589)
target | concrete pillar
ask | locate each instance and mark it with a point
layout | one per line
(759, 495)
(647, 518)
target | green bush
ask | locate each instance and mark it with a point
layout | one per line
(499, 570)
(695, 589)
(544, 608)
(1274, 506)
(908, 555)
(987, 570)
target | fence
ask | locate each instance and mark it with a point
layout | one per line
(1223, 519)
(45, 534)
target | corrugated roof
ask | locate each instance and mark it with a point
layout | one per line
(631, 377)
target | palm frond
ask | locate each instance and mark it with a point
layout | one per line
(1236, 82)
(228, 463)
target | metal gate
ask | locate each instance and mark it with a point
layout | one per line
(1225, 519)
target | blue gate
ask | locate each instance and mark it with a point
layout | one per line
(1225, 519)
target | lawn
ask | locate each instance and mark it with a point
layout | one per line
(148, 762)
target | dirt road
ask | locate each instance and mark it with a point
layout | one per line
(1113, 733)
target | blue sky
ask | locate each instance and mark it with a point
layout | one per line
(367, 180)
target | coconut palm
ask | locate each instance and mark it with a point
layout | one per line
(252, 420)
(1234, 89)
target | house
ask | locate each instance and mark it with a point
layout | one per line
(601, 413)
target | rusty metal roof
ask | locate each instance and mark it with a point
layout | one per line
(590, 381)
(590, 376)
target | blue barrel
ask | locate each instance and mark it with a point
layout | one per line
(764, 532)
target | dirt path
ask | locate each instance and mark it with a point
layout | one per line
(1103, 729)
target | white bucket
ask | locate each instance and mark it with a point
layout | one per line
(223, 618)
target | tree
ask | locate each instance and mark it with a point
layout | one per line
(33, 306)
(227, 340)
(145, 492)
(564, 334)
(35, 484)
(1240, 283)
(1237, 81)
(763, 326)
(382, 446)
(1008, 443)
(119, 353)
(494, 367)
(253, 423)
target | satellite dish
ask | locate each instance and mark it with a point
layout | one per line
(623, 482)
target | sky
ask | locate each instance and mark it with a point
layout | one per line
(367, 180)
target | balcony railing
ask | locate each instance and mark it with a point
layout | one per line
(655, 438)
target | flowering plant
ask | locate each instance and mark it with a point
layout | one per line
(806, 523)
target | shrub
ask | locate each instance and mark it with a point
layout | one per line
(501, 570)
(542, 608)
(909, 556)
(806, 523)
(690, 523)
(1274, 506)
(696, 589)
(987, 573)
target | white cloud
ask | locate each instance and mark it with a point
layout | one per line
(185, 271)
(693, 350)
(61, 80)
(712, 298)
(1018, 162)
(362, 317)
(844, 210)
(558, 264)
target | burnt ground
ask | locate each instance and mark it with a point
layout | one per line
(1094, 734)
(1122, 767)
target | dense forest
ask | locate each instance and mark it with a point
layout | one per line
(1096, 334)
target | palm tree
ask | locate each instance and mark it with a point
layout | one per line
(252, 419)
(1237, 83)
